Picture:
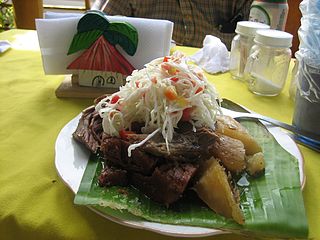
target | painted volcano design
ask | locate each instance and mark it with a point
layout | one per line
(101, 64)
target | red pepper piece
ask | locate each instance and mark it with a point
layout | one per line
(115, 99)
(186, 114)
(200, 89)
(166, 59)
(174, 79)
(124, 134)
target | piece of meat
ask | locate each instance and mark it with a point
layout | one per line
(89, 130)
(167, 183)
(112, 176)
(115, 151)
(188, 146)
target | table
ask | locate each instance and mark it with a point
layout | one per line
(34, 201)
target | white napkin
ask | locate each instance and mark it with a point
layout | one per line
(213, 57)
(55, 36)
(53, 15)
(4, 45)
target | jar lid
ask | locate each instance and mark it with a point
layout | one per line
(249, 28)
(273, 38)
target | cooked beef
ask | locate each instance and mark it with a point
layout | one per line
(167, 183)
(162, 176)
(112, 176)
(136, 127)
(98, 99)
(189, 146)
(89, 130)
(115, 150)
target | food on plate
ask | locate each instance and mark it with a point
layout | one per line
(215, 189)
(163, 132)
(228, 126)
(231, 152)
(255, 164)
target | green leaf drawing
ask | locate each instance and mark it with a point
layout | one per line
(95, 23)
(84, 40)
(124, 34)
(93, 20)
(272, 204)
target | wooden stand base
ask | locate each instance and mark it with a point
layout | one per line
(70, 88)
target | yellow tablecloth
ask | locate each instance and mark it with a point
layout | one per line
(34, 201)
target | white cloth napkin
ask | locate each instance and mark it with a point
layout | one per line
(55, 36)
(213, 57)
(4, 45)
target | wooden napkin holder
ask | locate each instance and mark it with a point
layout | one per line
(70, 88)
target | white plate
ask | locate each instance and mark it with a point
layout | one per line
(71, 160)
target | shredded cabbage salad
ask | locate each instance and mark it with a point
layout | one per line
(166, 91)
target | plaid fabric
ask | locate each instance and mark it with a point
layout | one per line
(193, 19)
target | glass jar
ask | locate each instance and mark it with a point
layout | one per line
(241, 45)
(270, 12)
(268, 63)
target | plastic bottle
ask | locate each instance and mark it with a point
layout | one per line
(307, 78)
(241, 45)
(270, 12)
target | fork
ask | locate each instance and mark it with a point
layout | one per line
(254, 116)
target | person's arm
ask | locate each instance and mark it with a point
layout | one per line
(119, 7)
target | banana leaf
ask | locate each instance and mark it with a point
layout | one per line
(272, 204)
